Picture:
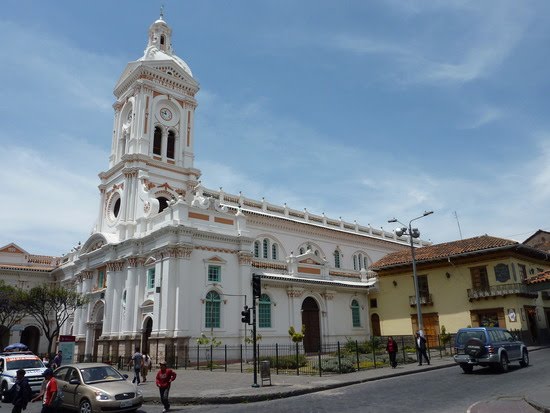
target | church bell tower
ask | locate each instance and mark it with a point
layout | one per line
(151, 160)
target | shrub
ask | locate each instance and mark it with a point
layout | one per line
(286, 362)
(331, 365)
(363, 347)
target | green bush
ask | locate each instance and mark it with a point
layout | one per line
(286, 362)
(363, 347)
(331, 365)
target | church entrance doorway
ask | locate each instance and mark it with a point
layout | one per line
(310, 319)
(147, 328)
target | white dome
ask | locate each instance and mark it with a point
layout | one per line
(154, 54)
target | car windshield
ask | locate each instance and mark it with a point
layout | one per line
(463, 336)
(100, 373)
(24, 363)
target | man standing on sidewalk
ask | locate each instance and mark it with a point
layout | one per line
(164, 378)
(420, 343)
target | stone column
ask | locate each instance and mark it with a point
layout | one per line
(115, 283)
(130, 307)
(109, 296)
(183, 300)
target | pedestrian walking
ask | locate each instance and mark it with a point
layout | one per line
(146, 367)
(49, 394)
(420, 343)
(165, 377)
(137, 362)
(56, 362)
(21, 392)
(391, 348)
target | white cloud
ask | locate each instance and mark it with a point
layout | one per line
(486, 36)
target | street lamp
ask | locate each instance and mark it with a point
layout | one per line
(413, 233)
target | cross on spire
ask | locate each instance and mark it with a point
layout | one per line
(162, 12)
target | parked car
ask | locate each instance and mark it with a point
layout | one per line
(96, 387)
(488, 346)
(10, 362)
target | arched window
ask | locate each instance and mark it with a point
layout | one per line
(265, 248)
(163, 203)
(355, 262)
(162, 39)
(157, 141)
(355, 314)
(365, 263)
(360, 261)
(264, 312)
(337, 258)
(257, 249)
(316, 252)
(171, 145)
(301, 251)
(212, 310)
(274, 252)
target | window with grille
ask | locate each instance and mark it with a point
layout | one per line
(480, 280)
(337, 258)
(150, 278)
(274, 251)
(355, 314)
(212, 310)
(265, 248)
(257, 249)
(214, 273)
(264, 311)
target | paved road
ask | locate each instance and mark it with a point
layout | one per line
(437, 391)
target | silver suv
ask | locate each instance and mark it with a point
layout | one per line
(488, 346)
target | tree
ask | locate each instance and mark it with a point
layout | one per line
(12, 309)
(51, 306)
(297, 337)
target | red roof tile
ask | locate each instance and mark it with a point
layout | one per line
(439, 251)
(539, 278)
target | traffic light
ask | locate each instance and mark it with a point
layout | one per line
(245, 315)
(256, 285)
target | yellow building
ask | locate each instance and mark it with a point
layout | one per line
(471, 282)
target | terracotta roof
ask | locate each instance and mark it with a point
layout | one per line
(441, 251)
(539, 278)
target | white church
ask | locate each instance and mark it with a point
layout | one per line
(170, 260)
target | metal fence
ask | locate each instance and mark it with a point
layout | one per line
(331, 358)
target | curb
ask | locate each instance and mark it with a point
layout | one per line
(251, 398)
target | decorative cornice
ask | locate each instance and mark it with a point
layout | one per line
(115, 266)
(245, 257)
(295, 293)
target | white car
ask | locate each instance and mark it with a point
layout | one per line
(12, 361)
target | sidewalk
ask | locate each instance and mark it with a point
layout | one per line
(206, 387)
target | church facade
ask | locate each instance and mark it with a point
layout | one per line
(170, 260)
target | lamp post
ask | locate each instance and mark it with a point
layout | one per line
(413, 233)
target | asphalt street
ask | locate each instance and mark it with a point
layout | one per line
(436, 391)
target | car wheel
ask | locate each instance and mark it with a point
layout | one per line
(467, 368)
(504, 364)
(474, 347)
(4, 395)
(85, 406)
(524, 362)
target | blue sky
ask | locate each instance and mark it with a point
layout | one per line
(363, 110)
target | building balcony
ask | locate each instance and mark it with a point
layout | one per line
(425, 299)
(500, 291)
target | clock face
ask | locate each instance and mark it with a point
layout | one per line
(166, 114)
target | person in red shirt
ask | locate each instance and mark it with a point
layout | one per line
(165, 377)
(391, 348)
(49, 393)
